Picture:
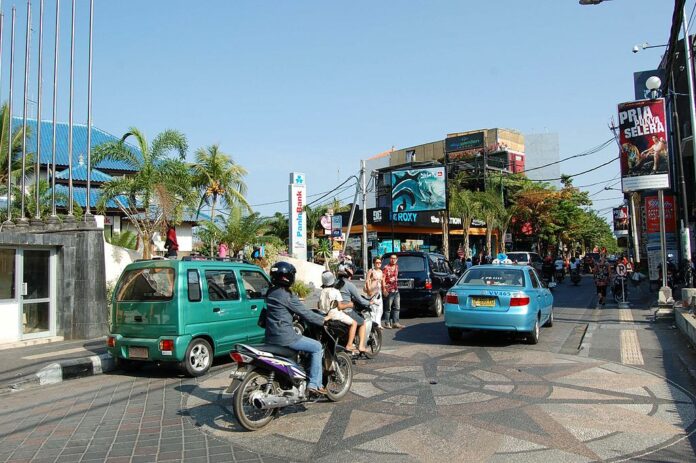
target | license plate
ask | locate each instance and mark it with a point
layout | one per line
(137, 352)
(483, 301)
(405, 284)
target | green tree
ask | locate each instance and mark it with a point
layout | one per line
(16, 150)
(461, 204)
(313, 217)
(239, 229)
(160, 189)
(219, 179)
(278, 226)
(487, 206)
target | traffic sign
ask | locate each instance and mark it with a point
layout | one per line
(621, 270)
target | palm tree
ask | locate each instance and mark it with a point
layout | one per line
(159, 190)
(220, 179)
(278, 226)
(16, 150)
(461, 204)
(241, 229)
(487, 206)
(313, 217)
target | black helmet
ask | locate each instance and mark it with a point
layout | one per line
(283, 274)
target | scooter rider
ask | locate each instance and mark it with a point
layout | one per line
(281, 305)
(350, 295)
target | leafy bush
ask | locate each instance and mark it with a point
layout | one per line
(300, 289)
(126, 239)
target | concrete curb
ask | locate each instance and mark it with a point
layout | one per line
(63, 370)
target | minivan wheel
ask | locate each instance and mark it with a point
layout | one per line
(198, 358)
(436, 306)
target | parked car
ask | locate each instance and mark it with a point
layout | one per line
(526, 258)
(185, 311)
(499, 297)
(424, 278)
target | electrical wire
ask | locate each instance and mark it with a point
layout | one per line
(579, 173)
(589, 152)
(309, 196)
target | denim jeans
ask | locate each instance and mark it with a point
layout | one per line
(391, 308)
(313, 347)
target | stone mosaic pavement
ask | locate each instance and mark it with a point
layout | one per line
(456, 403)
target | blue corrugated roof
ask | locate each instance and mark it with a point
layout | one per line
(80, 197)
(79, 143)
(80, 174)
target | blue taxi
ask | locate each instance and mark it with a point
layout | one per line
(501, 296)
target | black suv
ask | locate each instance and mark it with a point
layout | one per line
(424, 278)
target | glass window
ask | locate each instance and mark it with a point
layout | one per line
(410, 263)
(193, 283)
(222, 285)
(36, 274)
(146, 284)
(535, 279)
(255, 284)
(7, 273)
(493, 277)
(520, 257)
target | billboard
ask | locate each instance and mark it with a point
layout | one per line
(464, 142)
(652, 214)
(418, 190)
(644, 154)
(621, 221)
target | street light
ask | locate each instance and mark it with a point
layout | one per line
(646, 45)
(654, 84)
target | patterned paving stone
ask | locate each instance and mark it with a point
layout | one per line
(429, 404)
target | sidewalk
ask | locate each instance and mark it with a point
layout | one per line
(20, 366)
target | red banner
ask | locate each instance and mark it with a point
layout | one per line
(644, 153)
(652, 214)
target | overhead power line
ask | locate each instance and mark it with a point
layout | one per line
(579, 173)
(594, 150)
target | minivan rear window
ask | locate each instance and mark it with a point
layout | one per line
(146, 284)
(411, 264)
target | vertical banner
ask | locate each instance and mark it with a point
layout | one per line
(621, 221)
(336, 226)
(644, 154)
(298, 222)
(652, 228)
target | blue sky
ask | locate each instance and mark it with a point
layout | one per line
(315, 86)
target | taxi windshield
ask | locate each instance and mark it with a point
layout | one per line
(492, 277)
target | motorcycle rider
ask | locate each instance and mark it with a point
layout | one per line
(350, 295)
(671, 270)
(281, 305)
(559, 264)
(547, 269)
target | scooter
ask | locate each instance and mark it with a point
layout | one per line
(270, 377)
(559, 275)
(372, 331)
(575, 276)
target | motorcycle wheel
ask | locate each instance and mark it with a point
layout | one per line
(338, 382)
(374, 344)
(250, 417)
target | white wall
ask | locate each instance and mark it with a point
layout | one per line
(116, 259)
(9, 321)
(307, 272)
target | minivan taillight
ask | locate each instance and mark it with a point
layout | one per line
(519, 301)
(428, 284)
(451, 298)
(166, 345)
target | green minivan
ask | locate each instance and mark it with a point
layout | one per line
(185, 311)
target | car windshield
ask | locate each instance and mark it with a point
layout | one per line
(492, 277)
(146, 284)
(410, 263)
(518, 256)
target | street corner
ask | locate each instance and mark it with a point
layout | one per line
(488, 404)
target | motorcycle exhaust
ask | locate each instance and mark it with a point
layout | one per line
(272, 401)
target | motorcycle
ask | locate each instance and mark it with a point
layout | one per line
(559, 275)
(617, 289)
(372, 331)
(575, 276)
(270, 377)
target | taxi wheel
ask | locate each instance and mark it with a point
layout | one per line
(198, 358)
(533, 336)
(436, 306)
(549, 322)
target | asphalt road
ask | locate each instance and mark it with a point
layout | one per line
(602, 385)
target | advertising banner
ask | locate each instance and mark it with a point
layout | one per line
(336, 226)
(464, 142)
(644, 154)
(417, 190)
(298, 223)
(652, 214)
(621, 221)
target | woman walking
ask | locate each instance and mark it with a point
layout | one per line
(374, 288)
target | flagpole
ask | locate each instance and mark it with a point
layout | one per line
(23, 222)
(54, 217)
(88, 214)
(8, 223)
(37, 168)
(71, 216)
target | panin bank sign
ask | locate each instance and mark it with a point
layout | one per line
(298, 226)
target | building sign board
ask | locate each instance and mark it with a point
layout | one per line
(464, 142)
(620, 221)
(417, 190)
(298, 219)
(644, 152)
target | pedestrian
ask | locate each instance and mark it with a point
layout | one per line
(374, 288)
(469, 264)
(602, 274)
(223, 250)
(391, 284)
(349, 297)
(170, 243)
(329, 304)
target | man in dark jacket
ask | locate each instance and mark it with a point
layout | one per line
(281, 305)
(351, 296)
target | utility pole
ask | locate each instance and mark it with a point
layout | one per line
(363, 184)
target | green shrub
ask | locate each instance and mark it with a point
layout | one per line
(300, 289)
(126, 239)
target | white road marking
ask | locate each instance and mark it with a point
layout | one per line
(57, 353)
(630, 348)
